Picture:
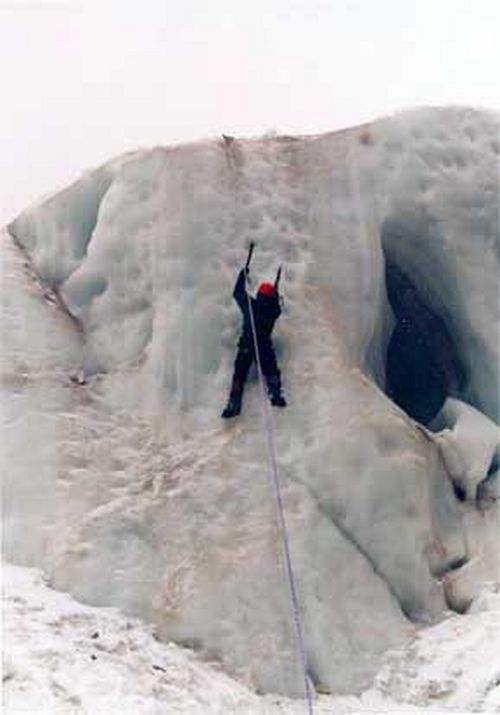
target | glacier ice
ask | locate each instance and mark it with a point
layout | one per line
(469, 443)
(133, 494)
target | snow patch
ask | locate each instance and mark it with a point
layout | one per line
(60, 656)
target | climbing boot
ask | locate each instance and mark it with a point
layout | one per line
(233, 407)
(275, 395)
(277, 400)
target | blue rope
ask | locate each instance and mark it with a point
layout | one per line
(273, 475)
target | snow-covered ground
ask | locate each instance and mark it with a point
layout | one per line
(64, 658)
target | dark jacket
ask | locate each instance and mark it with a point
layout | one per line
(266, 310)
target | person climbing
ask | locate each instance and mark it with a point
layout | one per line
(266, 310)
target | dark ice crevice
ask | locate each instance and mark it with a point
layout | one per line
(422, 363)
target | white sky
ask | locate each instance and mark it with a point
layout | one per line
(84, 80)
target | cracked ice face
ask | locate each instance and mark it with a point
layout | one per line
(136, 477)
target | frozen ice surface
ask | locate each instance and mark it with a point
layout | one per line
(133, 494)
(469, 442)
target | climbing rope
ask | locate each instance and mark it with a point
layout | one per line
(274, 479)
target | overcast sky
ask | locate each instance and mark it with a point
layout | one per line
(84, 80)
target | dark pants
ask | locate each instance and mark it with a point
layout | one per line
(243, 362)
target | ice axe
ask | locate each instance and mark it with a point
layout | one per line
(249, 257)
(277, 280)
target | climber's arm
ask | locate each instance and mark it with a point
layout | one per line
(240, 292)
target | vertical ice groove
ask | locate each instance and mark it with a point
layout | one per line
(58, 232)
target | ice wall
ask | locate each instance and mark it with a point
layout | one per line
(148, 501)
(440, 224)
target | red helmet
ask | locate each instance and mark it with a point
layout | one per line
(267, 289)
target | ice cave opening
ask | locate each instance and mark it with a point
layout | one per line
(422, 365)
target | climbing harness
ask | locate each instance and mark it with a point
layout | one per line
(274, 479)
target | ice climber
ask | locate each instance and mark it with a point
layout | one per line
(266, 310)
